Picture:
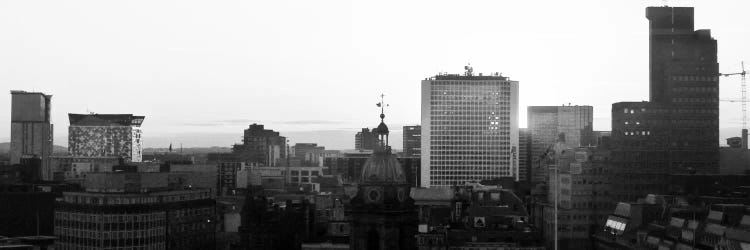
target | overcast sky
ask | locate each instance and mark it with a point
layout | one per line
(201, 71)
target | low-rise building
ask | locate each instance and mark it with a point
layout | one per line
(678, 222)
(134, 210)
(473, 217)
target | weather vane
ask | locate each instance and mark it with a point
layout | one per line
(382, 106)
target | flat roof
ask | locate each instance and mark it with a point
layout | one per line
(105, 119)
(23, 92)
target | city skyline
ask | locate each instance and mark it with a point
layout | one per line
(307, 79)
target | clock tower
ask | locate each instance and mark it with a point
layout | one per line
(383, 214)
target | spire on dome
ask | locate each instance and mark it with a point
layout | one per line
(382, 129)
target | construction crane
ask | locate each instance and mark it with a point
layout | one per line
(743, 99)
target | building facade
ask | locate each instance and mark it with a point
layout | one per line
(469, 128)
(580, 185)
(134, 211)
(31, 131)
(412, 141)
(473, 217)
(261, 146)
(106, 135)
(365, 140)
(677, 130)
(524, 155)
(306, 152)
(547, 123)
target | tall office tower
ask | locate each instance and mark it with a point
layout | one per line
(261, 146)
(365, 140)
(547, 123)
(677, 132)
(524, 155)
(469, 128)
(106, 135)
(30, 129)
(412, 141)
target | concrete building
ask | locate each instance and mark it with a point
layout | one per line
(106, 135)
(261, 146)
(469, 128)
(365, 140)
(580, 185)
(134, 210)
(31, 131)
(412, 141)
(546, 123)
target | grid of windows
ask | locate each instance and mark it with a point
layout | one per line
(159, 220)
(472, 130)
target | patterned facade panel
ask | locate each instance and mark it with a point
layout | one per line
(101, 141)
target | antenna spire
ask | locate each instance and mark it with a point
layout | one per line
(382, 106)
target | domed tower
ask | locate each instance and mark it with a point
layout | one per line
(383, 215)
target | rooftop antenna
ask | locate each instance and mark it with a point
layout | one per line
(469, 70)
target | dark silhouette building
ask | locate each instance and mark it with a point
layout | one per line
(412, 141)
(261, 146)
(365, 140)
(473, 216)
(382, 213)
(266, 225)
(677, 130)
(30, 129)
(524, 155)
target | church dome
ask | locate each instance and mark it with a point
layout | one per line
(381, 167)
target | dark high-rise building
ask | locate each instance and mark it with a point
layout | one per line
(365, 140)
(106, 135)
(548, 123)
(677, 131)
(412, 141)
(524, 155)
(261, 146)
(30, 129)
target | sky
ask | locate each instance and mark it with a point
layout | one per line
(202, 71)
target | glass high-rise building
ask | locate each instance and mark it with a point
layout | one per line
(548, 123)
(469, 128)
